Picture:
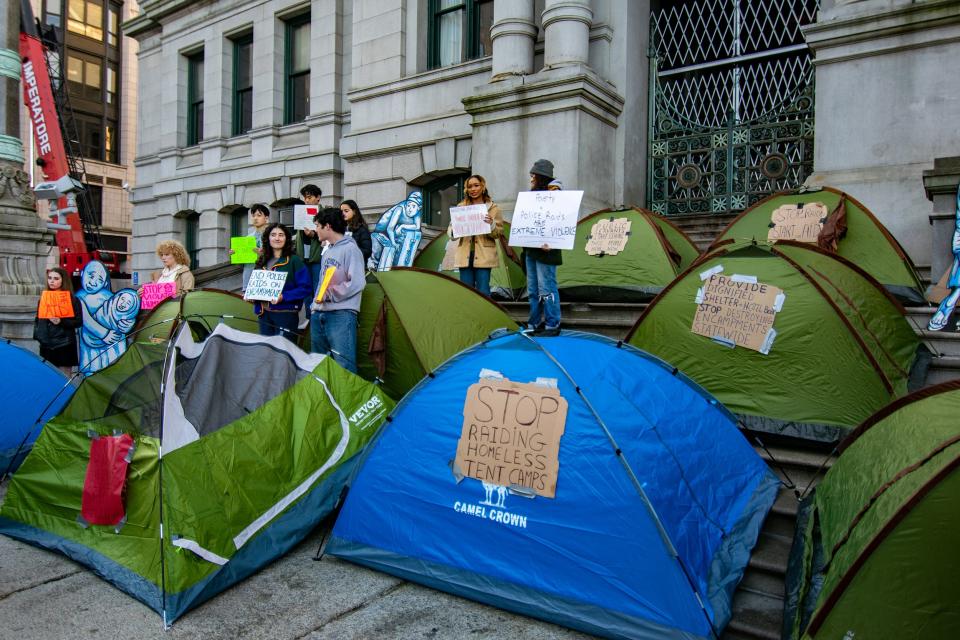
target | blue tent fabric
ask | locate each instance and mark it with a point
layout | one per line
(593, 557)
(35, 392)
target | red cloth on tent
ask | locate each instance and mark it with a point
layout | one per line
(106, 476)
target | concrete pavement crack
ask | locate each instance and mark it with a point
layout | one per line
(363, 605)
(40, 584)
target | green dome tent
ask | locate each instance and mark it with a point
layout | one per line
(877, 553)
(411, 321)
(646, 260)
(867, 242)
(506, 281)
(840, 346)
(184, 467)
(202, 309)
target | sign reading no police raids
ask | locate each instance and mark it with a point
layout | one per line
(511, 435)
(265, 285)
(545, 217)
(738, 311)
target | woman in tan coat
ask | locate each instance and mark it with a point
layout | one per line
(176, 266)
(477, 255)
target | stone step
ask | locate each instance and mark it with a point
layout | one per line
(756, 616)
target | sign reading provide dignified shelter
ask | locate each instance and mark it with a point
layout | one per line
(511, 435)
(738, 311)
(800, 222)
(608, 237)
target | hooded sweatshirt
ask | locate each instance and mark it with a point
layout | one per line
(348, 280)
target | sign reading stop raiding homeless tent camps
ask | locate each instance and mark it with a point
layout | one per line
(265, 285)
(511, 435)
(737, 311)
(545, 217)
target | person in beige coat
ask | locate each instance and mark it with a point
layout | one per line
(176, 266)
(477, 255)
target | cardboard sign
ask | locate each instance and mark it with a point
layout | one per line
(511, 435)
(303, 216)
(545, 217)
(156, 292)
(738, 311)
(244, 250)
(608, 237)
(468, 221)
(450, 256)
(265, 285)
(55, 304)
(327, 277)
(802, 223)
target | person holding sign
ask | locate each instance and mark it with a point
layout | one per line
(308, 245)
(56, 326)
(476, 255)
(357, 228)
(281, 317)
(176, 266)
(336, 302)
(541, 267)
(259, 218)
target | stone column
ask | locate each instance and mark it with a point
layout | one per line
(566, 25)
(514, 34)
(23, 235)
(940, 185)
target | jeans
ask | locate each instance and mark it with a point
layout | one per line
(335, 332)
(543, 294)
(272, 323)
(476, 278)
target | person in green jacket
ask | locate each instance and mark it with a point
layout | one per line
(308, 245)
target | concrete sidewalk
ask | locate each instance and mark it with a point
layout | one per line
(44, 596)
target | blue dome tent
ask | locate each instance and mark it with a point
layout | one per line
(33, 393)
(657, 499)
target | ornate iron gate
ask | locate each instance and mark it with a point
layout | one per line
(731, 103)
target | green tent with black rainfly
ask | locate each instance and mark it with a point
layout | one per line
(789, 337)
(184, 467)
(876, 553)
(623, 255)
(202, 310)
(411, 321)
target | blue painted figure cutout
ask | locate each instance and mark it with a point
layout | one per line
(107, 318)
(948, 304)
(396, 236)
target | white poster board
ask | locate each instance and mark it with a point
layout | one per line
(545, 217)
(265, 285)
(468, 221)
(303, 216)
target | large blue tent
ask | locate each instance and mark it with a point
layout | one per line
(658, 501)
(33, 392)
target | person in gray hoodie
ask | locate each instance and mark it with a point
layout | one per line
(333, 318)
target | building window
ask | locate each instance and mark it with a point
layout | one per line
(192, 239)
(459, 30)
(111, 83)
(84, 79)
(194, 98)
(238, 222)
(113, 26)
(110, 142)
(52, 11)
(297, 70)
(85, 18)
(242, 85)
(90, 204)
(439, 196)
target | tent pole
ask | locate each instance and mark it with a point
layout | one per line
(6, 472)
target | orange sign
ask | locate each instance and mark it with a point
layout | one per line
(55, 304)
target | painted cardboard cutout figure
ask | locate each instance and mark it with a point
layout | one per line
(948, 304)
(396, 236)
(107, 318)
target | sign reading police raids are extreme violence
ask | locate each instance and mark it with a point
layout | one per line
(511, 435)
(738, 311)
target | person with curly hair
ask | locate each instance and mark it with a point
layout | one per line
(176, 266)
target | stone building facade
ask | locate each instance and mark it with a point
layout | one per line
(244, 101)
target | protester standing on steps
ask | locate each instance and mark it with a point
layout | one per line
(176, 266)
(259, 218)
(308, 246)
(541, 265)
(281, 317)
(477, 255)
(357, 228)
(58, 336)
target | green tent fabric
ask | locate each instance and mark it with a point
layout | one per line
(843, 346)
(867, 243)
(877, 555)
(202, 310)
(507, 281)
(411, 321)
(257, 437)
(655, 252)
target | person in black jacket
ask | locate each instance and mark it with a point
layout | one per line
(357, 228)
(58, 336)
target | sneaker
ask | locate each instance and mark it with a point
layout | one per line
(549, 333)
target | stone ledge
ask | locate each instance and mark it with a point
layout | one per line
(943, 178)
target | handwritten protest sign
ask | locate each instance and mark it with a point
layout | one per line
(325, 283)
(545, 217)
(511, 435)
(608, 237)
(244, 250)
(265, 285)
(449, 262)
(55, 304)
(303, 216)
(156, 292)
(468, 221)
(800, 222)
(738, 311)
